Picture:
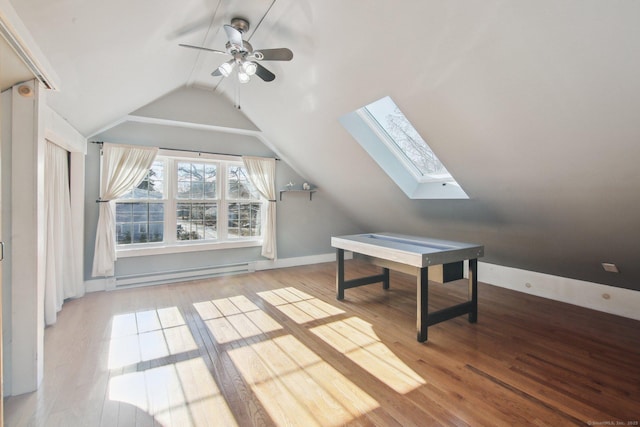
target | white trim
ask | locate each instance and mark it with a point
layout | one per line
(192, 125)
(128, 251)
(165, 277)
(609, 299)
(13, 30)
(109, 283)
(101, 284)
(296, 261)
(620, 301)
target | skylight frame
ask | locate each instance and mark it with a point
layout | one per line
(375, 141)
(422, 177)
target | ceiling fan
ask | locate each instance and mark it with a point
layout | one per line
(245, 60)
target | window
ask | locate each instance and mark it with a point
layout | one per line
(388, 136)
(197, 206)
(140, 218)
(244, 204)
(405, 141)
(189, 202)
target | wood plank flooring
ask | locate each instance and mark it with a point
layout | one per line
(276, 348)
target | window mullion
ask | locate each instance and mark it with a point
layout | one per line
(170, 202)
(223, 214)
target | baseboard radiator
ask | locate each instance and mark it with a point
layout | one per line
(164, 277)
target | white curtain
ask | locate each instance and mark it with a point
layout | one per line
(262, 172)
(123, 167)
(61, 280)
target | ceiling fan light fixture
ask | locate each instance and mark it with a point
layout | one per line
(245, 60)
(242, 76)
(226, 68)
(249, 67)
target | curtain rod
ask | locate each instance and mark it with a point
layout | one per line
(190, 151)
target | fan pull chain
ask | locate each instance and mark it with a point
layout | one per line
(237, 100)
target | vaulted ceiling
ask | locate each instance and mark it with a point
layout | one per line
(532, 105)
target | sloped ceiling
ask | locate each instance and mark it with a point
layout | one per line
(532, 105)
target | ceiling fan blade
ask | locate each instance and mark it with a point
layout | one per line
(216, 73)
(234, 36)
(279, 54)
(264, 74)
(202, 48)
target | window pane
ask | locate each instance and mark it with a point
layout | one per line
(210, 190)
(244, 220)
(196, 180)
(139, 222)
(197, 172)
(140, 232)
(123, 234)
(152, 185)
(184, 211)
(156, 212)
(197, 190)
(184, 189)
(157, 170)
(156, 188)
(184, 171)
(123, 212)
(239, 187)
(406, 140)
(140, 212)
(196, 221)
(210, 177)
(156, 232)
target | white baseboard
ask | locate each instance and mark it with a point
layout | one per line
(96, 285)
(294, 262)
(111, 283)
(609, 299)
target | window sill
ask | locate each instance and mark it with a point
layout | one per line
(178, 248)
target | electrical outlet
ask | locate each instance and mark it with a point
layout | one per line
(610, 267)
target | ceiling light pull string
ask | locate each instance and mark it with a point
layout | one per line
(237, 95)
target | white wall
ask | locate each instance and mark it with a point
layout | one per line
(25, 367)
(27, 124)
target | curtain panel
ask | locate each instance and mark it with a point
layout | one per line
(262, 172)
(123, 167)
(61, 281)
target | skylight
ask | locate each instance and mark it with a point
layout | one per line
(391, 140)
(405, 141)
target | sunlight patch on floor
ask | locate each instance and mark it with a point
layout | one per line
(297, 387)
(179, 394)
(148, 335)
(235, 318)
(293, 384)
(356, 339)
(299, 306)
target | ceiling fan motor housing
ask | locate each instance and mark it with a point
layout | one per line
(240, 24)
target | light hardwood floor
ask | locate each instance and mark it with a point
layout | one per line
(276, 348)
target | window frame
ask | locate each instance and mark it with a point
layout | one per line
(170, 243)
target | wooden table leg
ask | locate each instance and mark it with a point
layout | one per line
(422, 302)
